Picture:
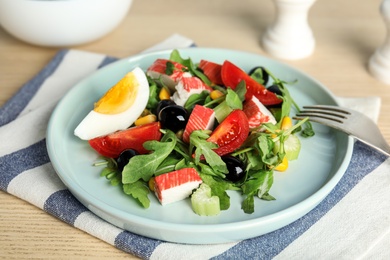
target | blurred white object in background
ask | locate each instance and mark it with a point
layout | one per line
(290, 36)
(58, 23)
(379, 63)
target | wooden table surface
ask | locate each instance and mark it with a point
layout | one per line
(347, 33)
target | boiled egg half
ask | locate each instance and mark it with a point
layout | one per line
(118, 108)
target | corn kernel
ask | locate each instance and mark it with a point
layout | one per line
(145, 120)
(151, 184)
(216, 94)
(282, 166)
(164, 93)
(286, 123)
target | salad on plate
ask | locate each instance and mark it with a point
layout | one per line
(185, 130)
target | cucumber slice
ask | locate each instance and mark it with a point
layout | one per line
(203, 203)
(292, 147)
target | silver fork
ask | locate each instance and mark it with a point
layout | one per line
(349, 121)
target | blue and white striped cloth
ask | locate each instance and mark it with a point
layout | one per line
(353, 222)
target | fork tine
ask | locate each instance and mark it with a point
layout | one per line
(351, 122)
(324, 112)
(328, 108)
(324, 120)
(311, 114)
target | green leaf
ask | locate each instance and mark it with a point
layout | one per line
(241, 90)
(218, 188)
(266, 179)
(308, 131)
(139, 191)
(248, 205)
(153, 94)
(194, 99)
(233, 100)
(206, 169)
(267, 197)
(198, 140)
(175, 56)
(144, 166)
(107, 171)
(258, 184)
(265, 147)
(253, 161)
(258, 76)
(168, 165)
(183, 163)
(170, 68)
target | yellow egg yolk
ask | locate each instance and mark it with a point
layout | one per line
(120, 97)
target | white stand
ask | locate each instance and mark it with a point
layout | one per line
(379, 63)
(290, 36)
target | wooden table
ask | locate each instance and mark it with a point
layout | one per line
(347, 33)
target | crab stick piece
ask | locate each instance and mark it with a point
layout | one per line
(188, 86)
(177, 185)
(257, 113)
(201, 118)
(169, 72)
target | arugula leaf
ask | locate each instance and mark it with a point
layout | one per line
(168, 165)
(288, 103)
(252, 160)
(267, 197)
(266, 179)
(258, 75)
(170, 68)
(241, 90)
(184, 164)
(266, 146)
(145, 165)
(202, 147)
(139, 191)
(175, 56)
(248, 204)
(233, 100)
(206, 169)
(259, 183)
(218, 188)
(153, 94)
(112, 175)
(194, 99)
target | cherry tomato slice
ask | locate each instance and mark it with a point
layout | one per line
(212, 71)
(112, 145)
(231, 133)
(232, 75)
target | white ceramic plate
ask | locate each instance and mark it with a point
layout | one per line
(322, 162)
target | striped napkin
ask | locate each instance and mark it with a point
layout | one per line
(353, 221)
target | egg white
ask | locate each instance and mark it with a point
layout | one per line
(97, 124)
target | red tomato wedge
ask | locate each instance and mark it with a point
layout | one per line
(112, 145)
(212, 71)
(232, 75)
(231, 133)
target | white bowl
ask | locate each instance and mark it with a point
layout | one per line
(61, 22)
